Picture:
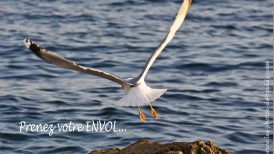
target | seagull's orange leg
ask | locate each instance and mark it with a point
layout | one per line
(153, 112)
(141, 115)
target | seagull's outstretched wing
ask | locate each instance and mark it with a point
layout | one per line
(60, 61)
(174, 27)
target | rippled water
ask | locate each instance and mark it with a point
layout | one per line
(214, 70)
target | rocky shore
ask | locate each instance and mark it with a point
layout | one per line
(144, 146)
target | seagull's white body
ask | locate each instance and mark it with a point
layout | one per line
(140, 94)
(136, 90)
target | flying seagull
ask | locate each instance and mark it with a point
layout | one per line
(136, 90)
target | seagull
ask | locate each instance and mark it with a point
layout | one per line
(137, 92)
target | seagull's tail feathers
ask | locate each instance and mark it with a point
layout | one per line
(141, 95)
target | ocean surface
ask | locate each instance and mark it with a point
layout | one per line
(214, 71)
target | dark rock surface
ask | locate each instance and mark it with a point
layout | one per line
(144, 146)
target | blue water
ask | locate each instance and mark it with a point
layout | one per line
(214, 70)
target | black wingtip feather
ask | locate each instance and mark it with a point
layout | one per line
(33, 47)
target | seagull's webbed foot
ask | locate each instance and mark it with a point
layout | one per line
(153, 112)
(141, 115)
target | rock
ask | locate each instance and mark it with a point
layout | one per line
(144, 146)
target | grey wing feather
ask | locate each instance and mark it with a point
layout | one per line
(179, 19)
(60, 61)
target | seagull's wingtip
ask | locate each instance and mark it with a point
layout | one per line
(27, 42)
